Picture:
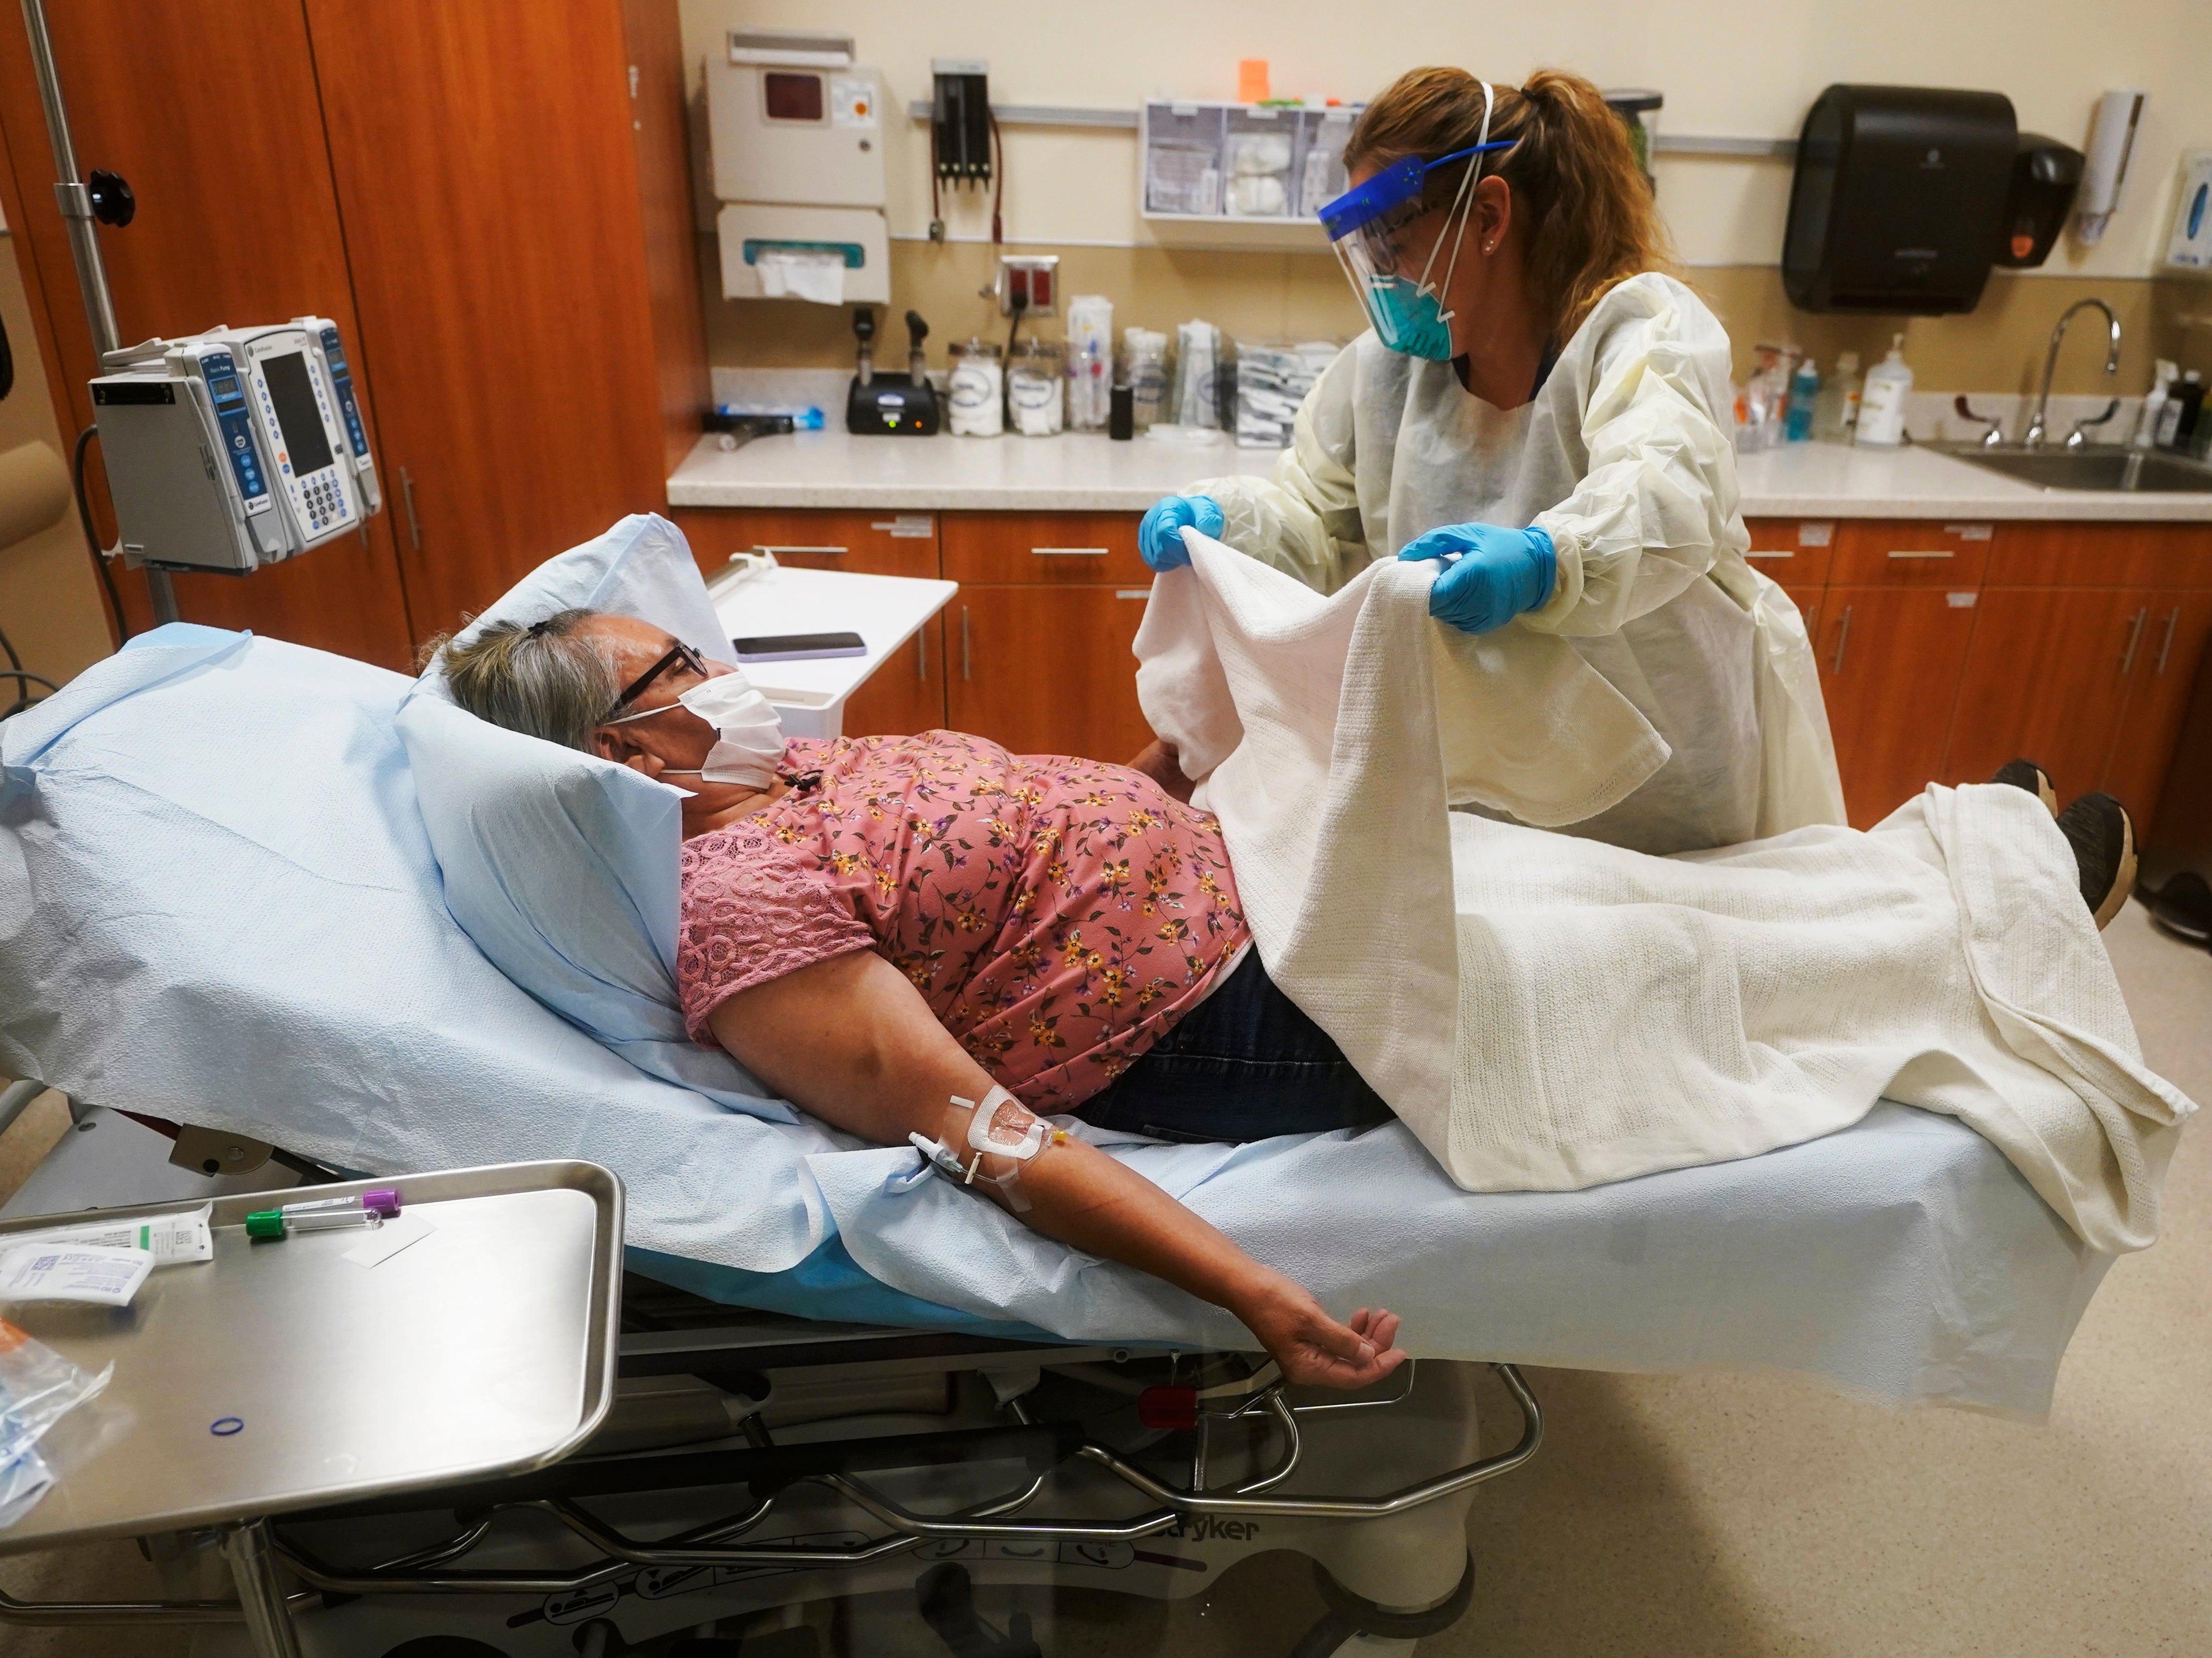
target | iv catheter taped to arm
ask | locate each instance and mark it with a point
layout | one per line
(1001, 1129)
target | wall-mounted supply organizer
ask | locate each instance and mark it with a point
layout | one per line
(1262, 163)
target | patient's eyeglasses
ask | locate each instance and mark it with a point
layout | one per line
(678, 651)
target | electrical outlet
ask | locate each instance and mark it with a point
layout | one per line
(1036, 276)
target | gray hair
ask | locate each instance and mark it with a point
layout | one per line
(544, 679)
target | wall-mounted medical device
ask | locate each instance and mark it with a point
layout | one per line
(796, 132)
(235, 448)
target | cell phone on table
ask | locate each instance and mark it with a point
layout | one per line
(798, 647)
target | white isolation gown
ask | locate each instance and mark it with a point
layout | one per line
(1625, 458)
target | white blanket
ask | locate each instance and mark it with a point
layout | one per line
(1547, 1012)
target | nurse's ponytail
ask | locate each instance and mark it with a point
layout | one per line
(1591, 218)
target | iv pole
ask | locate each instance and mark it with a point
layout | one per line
(75, 203)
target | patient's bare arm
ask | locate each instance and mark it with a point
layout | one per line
(852, 1040)
(1159, 762)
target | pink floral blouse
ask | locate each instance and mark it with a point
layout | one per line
(1059, 916)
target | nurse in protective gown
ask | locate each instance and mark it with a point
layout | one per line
(1542, 412)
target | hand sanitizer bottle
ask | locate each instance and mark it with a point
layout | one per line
(1881, 409)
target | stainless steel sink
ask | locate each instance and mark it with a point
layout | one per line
(2098, 467)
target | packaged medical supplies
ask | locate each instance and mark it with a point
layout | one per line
(38, 1387)
(1271, 382)
(172, 1240)
(93, 1273)
(1090, 361)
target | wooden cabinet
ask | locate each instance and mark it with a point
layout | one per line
(1037, 640)
(2062, 554)
(1891, 662)
(487, 168)
(1053, 548)
(1948, 648)
(1810, 602)
(2088, 643)
(1795, 552)
(906, 695)
(212, 115)
(1046, 668)
(2047, 677)
(870, 543)
(467, 190)
(1910, 553)
(2175, 638)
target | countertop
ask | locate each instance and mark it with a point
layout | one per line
(1076, 471)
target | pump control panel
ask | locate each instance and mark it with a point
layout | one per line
(235, 448)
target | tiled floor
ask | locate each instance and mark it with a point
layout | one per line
(1725, 1516)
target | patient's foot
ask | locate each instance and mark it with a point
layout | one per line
(2027, 774)
(2102, 837)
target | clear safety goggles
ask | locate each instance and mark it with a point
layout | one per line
(1366, 226)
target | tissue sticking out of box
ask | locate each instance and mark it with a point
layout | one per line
(801, 273)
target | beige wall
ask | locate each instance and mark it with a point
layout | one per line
(1073, 192)
(2000, 347)
(50, 604)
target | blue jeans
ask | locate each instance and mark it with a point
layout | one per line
(1245, 1065)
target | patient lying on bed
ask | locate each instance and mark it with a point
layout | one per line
(885, 925)
(928, 937)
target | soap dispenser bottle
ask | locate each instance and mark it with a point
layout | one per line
(2154, 406)
(1882, 407)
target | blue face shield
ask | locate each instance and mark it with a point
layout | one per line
(1364, 225)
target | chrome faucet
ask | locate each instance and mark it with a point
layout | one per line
(2032, 438)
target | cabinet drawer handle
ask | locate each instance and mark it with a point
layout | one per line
(2173, 617)
(1934, 553)
(2135, 638)
(967, 663)
(407, 494)
(1770, 555)
(769, 547)
(921, 657)
(1843, 638)
(1132, 593)
(1070, 552)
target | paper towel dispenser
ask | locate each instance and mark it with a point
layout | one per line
(1899, 203)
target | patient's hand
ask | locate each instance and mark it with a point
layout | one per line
(1158, 763)
(1313, 1348)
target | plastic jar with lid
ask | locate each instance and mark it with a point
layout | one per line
(1036, 387)
(977, 390)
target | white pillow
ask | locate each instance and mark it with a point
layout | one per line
(640, 568)
(560, 866)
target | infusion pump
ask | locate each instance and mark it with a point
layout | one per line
(235, 448)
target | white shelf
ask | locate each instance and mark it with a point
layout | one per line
(1715, 146)
(885, 611)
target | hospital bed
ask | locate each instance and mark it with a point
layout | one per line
(225, 903)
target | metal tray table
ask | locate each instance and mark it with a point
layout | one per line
(282, 1376)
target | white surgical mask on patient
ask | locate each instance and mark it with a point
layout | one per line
(748, 734)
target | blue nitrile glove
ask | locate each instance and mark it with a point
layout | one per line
(1159, 538)
(1490, 575)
